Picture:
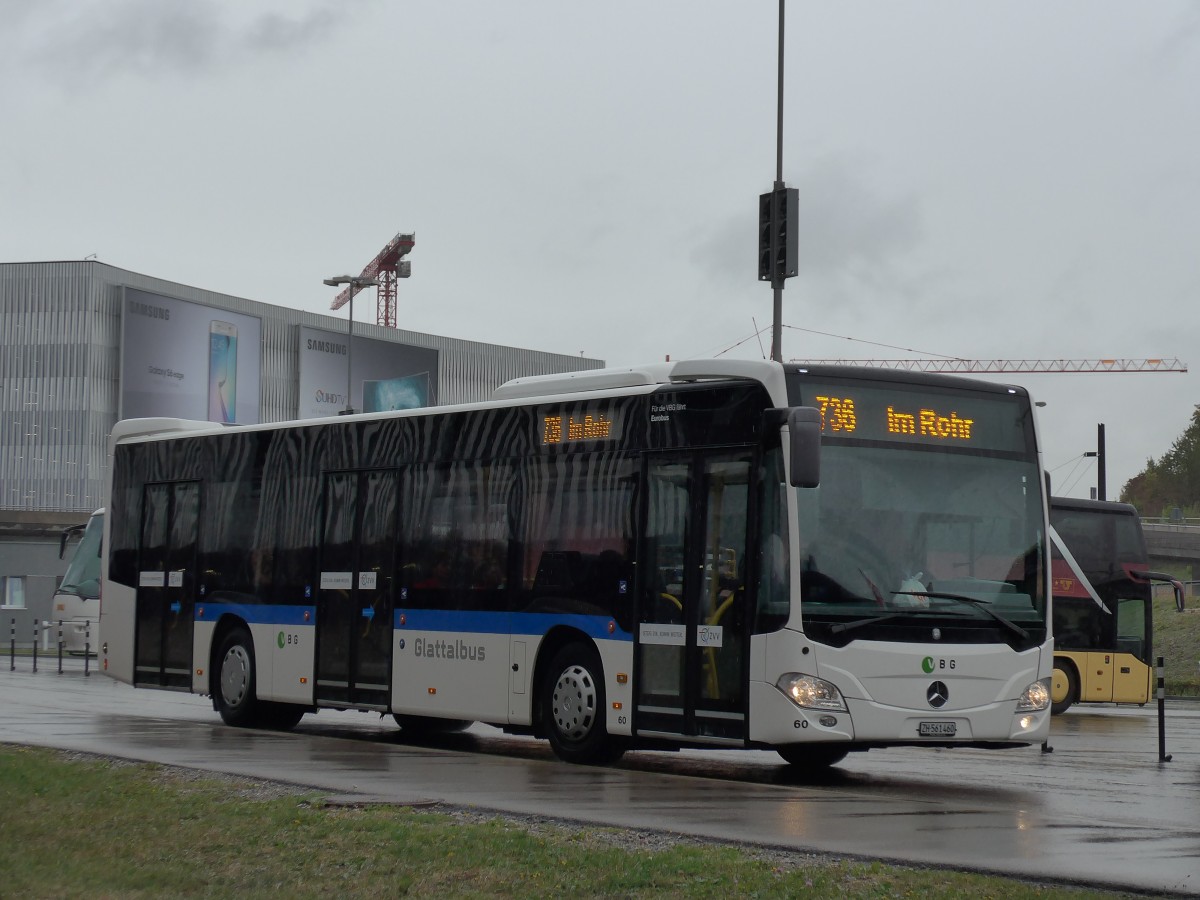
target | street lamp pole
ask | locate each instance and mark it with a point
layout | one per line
(777, 283)
(356, 284)
(778, 223)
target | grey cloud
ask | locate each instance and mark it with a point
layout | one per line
(846, 231)
(846, 227)
(1184, 39)
(79, 46)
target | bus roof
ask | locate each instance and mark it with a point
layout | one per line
(1104, 506)
(769, 374)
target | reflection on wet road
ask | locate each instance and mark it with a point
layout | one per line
(1100, 808)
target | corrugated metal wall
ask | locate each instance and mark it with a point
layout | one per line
(60, 334)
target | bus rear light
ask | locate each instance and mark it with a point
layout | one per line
(617, 704)
(622, 678)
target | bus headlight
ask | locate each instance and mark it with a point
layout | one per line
(811, 692)
(1036, 697)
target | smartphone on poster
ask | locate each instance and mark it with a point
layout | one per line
(222, 372)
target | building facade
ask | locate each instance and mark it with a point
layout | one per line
(84, 344)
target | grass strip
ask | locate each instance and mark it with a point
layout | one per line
(101, 828)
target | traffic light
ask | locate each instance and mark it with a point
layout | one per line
(778, 242)
(765, 229)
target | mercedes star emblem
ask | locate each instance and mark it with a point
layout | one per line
(937, 695)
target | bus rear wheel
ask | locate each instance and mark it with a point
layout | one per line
(235, 693)
(573, 707)
(423, 726)
(1064, 687)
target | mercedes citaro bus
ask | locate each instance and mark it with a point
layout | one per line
(814, 560)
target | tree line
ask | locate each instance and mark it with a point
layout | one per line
(1172, 481)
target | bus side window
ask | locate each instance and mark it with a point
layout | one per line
(575, 532)
(774, 568)
(1131, 627)
(455, 536)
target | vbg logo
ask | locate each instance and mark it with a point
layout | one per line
(929, 664)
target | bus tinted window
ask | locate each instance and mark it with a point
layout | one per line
(575, 531)
(456, 536)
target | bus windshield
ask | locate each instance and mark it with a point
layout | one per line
(82, 578)
(928, 518)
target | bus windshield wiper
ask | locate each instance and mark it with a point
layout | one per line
(839, 627)
(984, 605)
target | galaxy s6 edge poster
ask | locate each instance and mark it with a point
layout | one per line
(222, 373)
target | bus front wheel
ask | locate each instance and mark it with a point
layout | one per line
(280, 716)
(573, 707)
(235, 693)
(1064, 690)
(812, 756)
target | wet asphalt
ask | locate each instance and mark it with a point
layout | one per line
(1103, 808)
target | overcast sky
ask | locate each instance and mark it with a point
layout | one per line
(983, 180)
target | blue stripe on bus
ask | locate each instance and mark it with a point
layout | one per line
(462, 621)
(476, 622)
(258, 613)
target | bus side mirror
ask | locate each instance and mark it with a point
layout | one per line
(804, 429)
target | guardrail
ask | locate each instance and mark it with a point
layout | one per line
(1191, 591)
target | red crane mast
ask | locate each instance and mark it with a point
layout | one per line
(387, 266)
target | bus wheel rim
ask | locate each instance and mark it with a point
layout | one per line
(235, 675)
(574, 701)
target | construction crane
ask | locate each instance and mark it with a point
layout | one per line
(386, 267)
(979, 366)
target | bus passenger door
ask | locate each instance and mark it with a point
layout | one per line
(1132, 669)
(692, 623)
(167, 584)
(355, 596)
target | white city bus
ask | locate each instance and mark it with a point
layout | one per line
(701, 553)
(76, 602)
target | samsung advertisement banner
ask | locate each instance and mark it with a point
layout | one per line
(384, 375)
(188, 361)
